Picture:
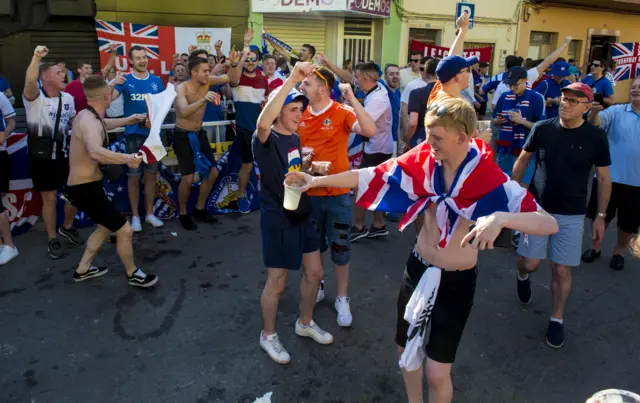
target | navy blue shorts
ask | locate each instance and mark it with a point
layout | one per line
(283, 243)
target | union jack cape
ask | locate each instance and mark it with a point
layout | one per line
(411, 183)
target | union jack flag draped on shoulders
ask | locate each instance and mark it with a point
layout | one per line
(411, 183)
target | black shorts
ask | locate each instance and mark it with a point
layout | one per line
(373, 160)
(5, 171)
(246, 151)
(624, 202)
(91, 198)
(182, 148)
(450, 311)
(49, 175)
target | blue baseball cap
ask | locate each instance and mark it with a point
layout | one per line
(515, 74)
(292, 96)
(450, 66)
(560, 69)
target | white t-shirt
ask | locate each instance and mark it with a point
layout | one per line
(406, 76)
(378, 106)
(532, 76)
(7, 112)
(41, 118)
(116, 109)
(413, 85)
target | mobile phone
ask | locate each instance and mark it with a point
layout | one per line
(223, 59)
(599, 98)
(502, 241)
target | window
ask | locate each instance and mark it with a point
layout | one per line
(540, 44)
(574, 50)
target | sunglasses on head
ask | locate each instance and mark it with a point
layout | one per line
(317, 73)
(442, 110)
(251, 60)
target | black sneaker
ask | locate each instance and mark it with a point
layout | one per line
(617, 262)
(524, 290)
(72, 235)
(187, 223)
(358, 233)
(140, 279)
(55, 249)
(91, 273)
(591, 256)
(204, 216)
(555, 334)
(377, 232)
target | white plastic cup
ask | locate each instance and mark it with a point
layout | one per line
(292, 194)
(483, 125)
(306, 151)
(614, 396)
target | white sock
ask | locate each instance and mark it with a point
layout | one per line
(521, 277)
(560, 321)
(139, 273)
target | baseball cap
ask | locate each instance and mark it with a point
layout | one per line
(580, 89)
(450, 66)
(292, 96)
(560, 69)
(515, 74)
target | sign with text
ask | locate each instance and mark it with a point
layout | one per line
(483, 54)
(377, 8)
(469, 8)
(627, 58)
(296, 6)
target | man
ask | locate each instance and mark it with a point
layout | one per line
(184, 58)
(84, 187)
(567, 148)
(135, 87)
(412, 72)
(622, 125)
(287, 242)
(551, 88)
(50, 113)
(598, 82)
(84, 70)
(406, 93)
(191, 101)
(573, 68)
(8, 250)
(515, 113)
(392, 80)
(378, 148)
(442, 254)
(306, 53)
(274, 79)
(325, 127)
(179, 74)
(480, 76)
(248, 94)
(5, 88)
(417, 105)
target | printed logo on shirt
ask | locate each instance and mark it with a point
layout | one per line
(295, 162)
(326, 122)
(154, 86)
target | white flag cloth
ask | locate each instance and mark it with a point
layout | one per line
(158, 105)
(418, 314)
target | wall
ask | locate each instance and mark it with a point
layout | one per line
(391, 37)
(554, 19)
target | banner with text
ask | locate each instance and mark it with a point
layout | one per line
(483, 54)
(627, 58)
(160, 43)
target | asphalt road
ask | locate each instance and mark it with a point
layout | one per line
(194, 339)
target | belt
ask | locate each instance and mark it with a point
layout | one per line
(421, 259)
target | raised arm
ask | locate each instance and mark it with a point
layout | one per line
(218, 47)
(237, 60)
(283, 52)
(119, 80)
(112, 60)
(463, 26)
(345, 76)
(549, 60)
(366, 126)
(31, 90)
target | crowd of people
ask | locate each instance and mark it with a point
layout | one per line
(426, 158)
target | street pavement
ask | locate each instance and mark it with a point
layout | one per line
(194, 339)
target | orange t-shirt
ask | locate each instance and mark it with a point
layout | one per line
(437, 94)
(328, 134)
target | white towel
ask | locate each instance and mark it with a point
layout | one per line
(158, 105)
(418, 314)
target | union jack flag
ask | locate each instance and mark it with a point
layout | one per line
(411, 183)
(627, 58)
(127, 35)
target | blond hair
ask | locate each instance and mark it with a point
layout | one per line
(452, 114)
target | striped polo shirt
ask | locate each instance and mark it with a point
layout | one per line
(248, 95)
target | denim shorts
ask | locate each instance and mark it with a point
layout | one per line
(506, 162)
(132, 144)
(566, 245)
(332, 215)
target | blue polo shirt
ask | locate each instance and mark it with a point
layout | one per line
(550, 89)
(135, 92)
(602, 86)
(622, 125)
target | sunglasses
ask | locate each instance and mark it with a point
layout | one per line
(251, 60)
(415, 60)
(442, 110)
(317, 73)
(596, 65)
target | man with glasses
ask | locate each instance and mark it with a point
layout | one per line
(412, 72)
(598, 82)
(566, 149)
(622, 124)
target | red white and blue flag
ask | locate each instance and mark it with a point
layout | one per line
(127, 35)
(411, 183)
(627, 58)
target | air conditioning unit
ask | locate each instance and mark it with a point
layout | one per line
(8, 7)
(72, 8)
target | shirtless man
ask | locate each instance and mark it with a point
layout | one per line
(449, 128)
(191, 101)
(84, 186)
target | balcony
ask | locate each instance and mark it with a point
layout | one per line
(630, 6)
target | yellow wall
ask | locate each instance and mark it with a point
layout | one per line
(577, 23)
(189, 13)
(495, 22)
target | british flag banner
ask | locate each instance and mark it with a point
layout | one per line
(160, 43)
(411, 183)
(627, 58)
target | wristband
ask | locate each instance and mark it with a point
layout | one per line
(234, 65)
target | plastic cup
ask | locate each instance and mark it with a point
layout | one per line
(483, 125)
(614, 396)
(292, 193)
(306, 151)
(320, 167)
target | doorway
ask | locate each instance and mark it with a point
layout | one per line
(601, 47)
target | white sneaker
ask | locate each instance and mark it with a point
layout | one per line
(273, 347)
(135, 224)
(313, 331)
(344, 312)
(7, 254)
(153, 220)
(320, 295)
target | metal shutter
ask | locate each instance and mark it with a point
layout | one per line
(70, 47)
(297, 31)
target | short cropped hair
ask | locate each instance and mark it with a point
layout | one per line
(368, 67)
(44, 67)
(268, 57)
(328, 75)
(134, 49)
(430, 66)
(388, 66)
(195, 62)
(310, 48)
(197, 52)
(93, 85)
(455, 114)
